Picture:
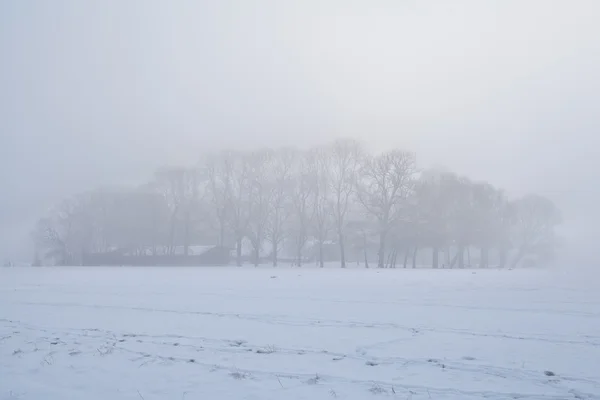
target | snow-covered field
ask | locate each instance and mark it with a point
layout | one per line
(230, 333)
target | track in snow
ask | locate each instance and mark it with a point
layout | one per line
(297, 334)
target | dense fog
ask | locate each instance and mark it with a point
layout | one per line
(107, 94)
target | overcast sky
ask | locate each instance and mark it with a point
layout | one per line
(98, 92)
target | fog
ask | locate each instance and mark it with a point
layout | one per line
(96, 93)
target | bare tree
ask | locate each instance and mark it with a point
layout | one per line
(239, 199)
(66, 235)
(487, 209)
(461, 220)
(219, 175)
(345, 157)
(191, 205)
(384, 185)
(147, 212)
(259, 200)
(51, 241)
(280, 201)
(535, 218)
(303, 187)
(322, 203)
(103, 201)
(365, 203)
(506, 221)
(170, 182)
(426, 218)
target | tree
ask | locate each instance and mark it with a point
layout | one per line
(67, 233)
(506, 220)
(322, 204)
(280, 201)
(171, 182)
(51, 241)
(335, 194)
(345, 157)
(535, 218)
(461, 219)
(145, 215)
(303, 185)
(239, 202)
(431, 212)
(384, 185)
(191, 204)
(260, 193)
(218, 170)
(488, 208)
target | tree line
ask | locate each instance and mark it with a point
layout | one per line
(298, 205)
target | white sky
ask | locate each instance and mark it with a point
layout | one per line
(103, 92)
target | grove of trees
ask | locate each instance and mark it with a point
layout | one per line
(336, 202)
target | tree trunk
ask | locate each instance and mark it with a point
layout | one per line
(239, 252)
(365, 249)
(221, 233)
(460, 257)
(380, 261)
(388, 262)
(172, 237)
(321, 263)
(469, 256)
(342, 251)
(275, 251)
(186, 236)
(299, 263)
(518, 257)
(503, 256)
(484, 262)
(414, 260)
(256, 255)
(436, 259)
(394, 258)
(104, 245)
(406, 256)
(453, 261)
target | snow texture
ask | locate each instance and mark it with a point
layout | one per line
(291, 333)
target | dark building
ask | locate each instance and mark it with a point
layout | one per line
(207, 256)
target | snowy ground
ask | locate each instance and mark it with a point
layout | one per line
(209, 333)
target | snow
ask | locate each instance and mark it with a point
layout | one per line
(297, 333)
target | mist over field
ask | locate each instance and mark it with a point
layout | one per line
(104, 94)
